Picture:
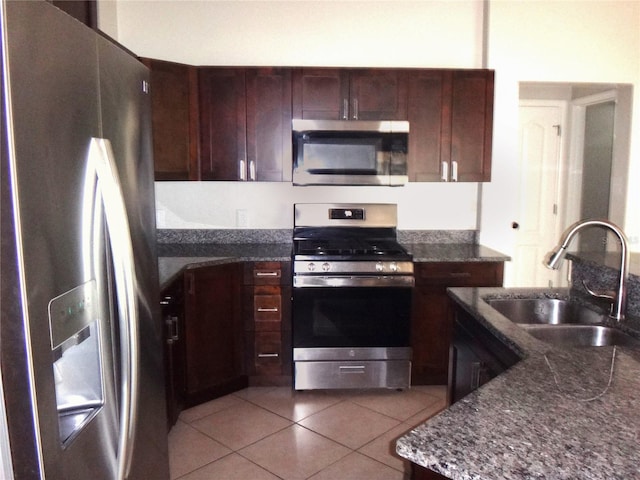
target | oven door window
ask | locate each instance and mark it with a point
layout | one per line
(351, 317)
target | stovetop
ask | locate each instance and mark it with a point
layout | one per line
(349, 248)
(347, 244)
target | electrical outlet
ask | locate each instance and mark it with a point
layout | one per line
(242, 218)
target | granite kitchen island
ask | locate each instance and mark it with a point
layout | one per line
(560, 413)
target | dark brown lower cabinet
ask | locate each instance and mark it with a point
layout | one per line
(172, 307)
(267, 322)
(213, 331)
(432, 315)
(476, 356)
(420, 473)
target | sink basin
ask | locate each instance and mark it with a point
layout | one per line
(581, 335)
(549, 311)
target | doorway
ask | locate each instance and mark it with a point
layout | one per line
(576, 176)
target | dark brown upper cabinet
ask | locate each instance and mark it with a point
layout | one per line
(451, 125)
(85, 11)
(349, 94)
(174, 106)
(226, 123)
(471, 125)
(245, 124)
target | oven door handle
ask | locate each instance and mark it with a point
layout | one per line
(306, 281)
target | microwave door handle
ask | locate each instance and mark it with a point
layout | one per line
(102, 160)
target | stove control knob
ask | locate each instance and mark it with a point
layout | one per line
(379, 267)
(311, 267)
(326, 267)
(393, 267)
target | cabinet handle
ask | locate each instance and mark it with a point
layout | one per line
(345, 109)
(454, 171)
(264, 309)
(243, 170)
(252, 170)
(460, 274)
(475, 375)
(172, 329)
(355, 108)
(166, 300)
(191, 288)
(267, 274)
(268, 355)
(445, 172)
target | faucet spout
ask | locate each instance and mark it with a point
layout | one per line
(554, 259)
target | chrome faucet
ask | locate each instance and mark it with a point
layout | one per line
(619, 299)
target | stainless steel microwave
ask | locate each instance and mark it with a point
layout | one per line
(355, 152)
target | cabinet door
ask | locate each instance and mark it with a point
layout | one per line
(472, 125)
(377, 94)
(223, 151)
(174, 120)
(213, 328)
(172, 303)
(432, 315)
(269, 124)
(429, 116)
(350, 94)
(430, 336)
(321, 93)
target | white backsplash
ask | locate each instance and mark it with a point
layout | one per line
(269, 205)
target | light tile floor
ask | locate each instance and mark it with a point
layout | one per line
(277, 433)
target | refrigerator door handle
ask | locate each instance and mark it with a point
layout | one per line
(102, 159)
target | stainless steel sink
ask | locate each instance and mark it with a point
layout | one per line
(581, 335)
(549, 311)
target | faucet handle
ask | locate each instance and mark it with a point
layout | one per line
(601, 294)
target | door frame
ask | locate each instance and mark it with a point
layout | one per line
(576, 152)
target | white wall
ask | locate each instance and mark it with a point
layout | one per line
(270, 205)
(297, 33)
(576, 41)
(555, 41)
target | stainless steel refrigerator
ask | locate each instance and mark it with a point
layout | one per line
(80, 336)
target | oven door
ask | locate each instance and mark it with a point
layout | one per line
(351, 316)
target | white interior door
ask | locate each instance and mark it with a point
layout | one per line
(540, 128)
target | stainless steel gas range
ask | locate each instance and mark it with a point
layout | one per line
(352, 288)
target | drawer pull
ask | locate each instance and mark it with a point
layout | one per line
(352, 369)
(460, 274)
(268, 355)
(264, 309)
(267, 274)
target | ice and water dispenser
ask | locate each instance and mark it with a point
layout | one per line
(74, 322)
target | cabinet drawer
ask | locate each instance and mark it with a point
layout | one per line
(263, 273)
(459, 274)
(268, 353)
(267, 312)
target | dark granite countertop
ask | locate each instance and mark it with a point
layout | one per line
(174, 257)
(453, 252)
(560, 413)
